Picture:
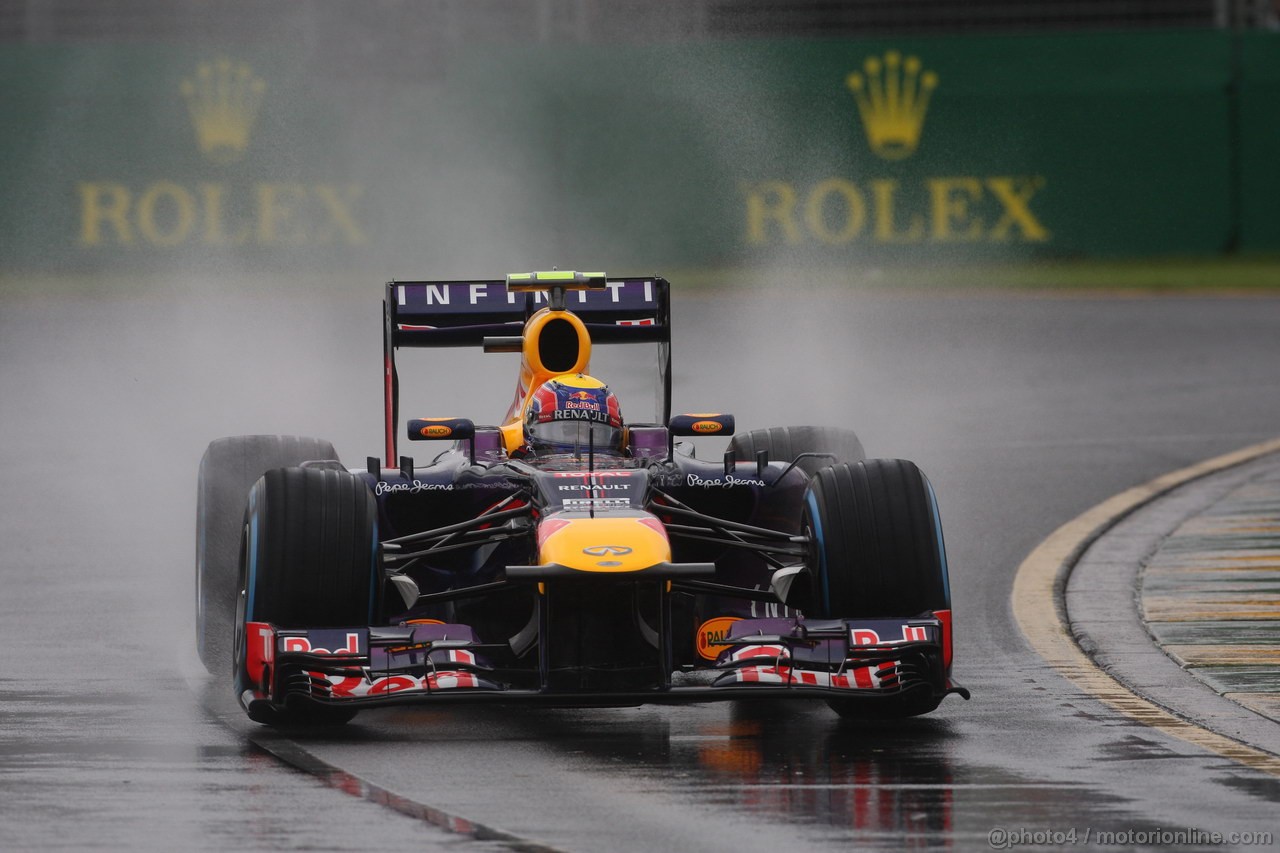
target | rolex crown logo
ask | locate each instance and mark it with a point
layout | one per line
(892, 96)
(223, 100)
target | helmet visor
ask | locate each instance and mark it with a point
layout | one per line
(573, 437)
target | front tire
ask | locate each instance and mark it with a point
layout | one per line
(310, 561)
(877, 551)
(229, 467)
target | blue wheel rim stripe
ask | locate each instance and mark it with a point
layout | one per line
(822, 550)
(942, 548)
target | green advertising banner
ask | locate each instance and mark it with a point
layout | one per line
(149, 156)
(907, 149)
(644, 157)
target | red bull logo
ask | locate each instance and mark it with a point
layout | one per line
(583, 400)
(589, 400)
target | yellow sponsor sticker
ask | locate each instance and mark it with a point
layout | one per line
(711, 635)
(708, 426)
(435, 431)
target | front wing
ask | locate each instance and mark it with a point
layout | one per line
(439, 663)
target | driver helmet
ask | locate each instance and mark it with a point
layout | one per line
(570, 413)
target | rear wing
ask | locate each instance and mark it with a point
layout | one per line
(463, 313)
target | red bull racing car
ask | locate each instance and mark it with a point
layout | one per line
(564, 556)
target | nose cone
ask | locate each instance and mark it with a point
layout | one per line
(604, 544)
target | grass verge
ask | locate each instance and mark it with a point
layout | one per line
(1199, 276)
(1227, 275)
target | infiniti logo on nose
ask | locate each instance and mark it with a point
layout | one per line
(606, 550)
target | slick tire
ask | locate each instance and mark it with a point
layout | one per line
(786, 443)
(876, 551)
(310, 560)
(229, 468)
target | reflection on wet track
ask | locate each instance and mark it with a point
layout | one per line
(805, 768)
(781, 767)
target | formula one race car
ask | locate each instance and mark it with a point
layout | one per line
(563, 556)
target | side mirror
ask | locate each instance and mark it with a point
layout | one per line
(441, 429)
(695, 425)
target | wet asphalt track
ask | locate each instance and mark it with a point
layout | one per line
(1023, 411)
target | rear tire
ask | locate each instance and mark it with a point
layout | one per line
(784, 444)
(230, 466)
(877, 552)
(310, 561)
